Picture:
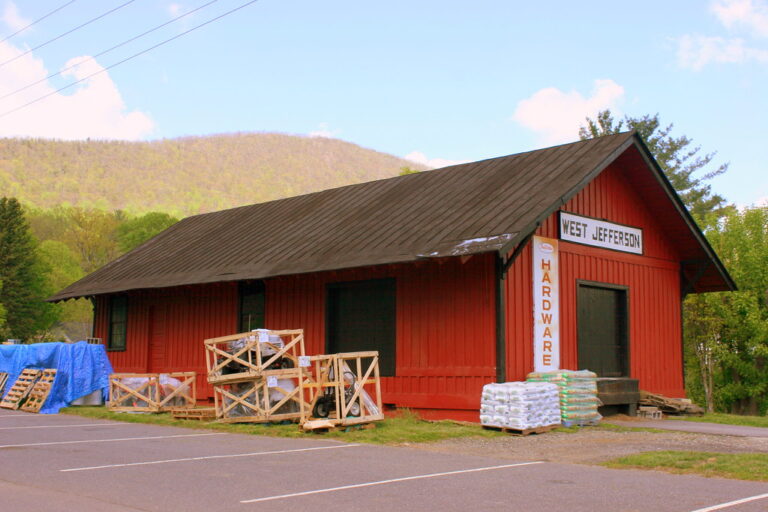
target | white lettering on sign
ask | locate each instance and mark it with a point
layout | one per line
(600, 233)
(546, 305)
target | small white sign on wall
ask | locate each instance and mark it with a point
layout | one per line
(546, 305)
(600, 233)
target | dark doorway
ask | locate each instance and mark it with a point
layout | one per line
(602, 329)
(361, 316)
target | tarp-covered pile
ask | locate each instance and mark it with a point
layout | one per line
(578, 394)
(520, 405)
(82, 368)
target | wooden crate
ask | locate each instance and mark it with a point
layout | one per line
(347, 386)
(247, 355)
(40, 391)
(20, 388)
(276, 395)
(145, 392)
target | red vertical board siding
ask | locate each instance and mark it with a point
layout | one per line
(445, 326)
(652, 279)
(192, 314)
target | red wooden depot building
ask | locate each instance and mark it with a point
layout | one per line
(576, 256)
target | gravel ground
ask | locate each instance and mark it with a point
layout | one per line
(593, 445)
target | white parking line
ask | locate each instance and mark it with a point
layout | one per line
(109, 440)
(731, 503)
(63, 426)
(390, 481)
(252, 454)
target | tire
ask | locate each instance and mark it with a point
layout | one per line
(354, 408)
(321, 409)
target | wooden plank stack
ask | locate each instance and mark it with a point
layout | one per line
(3, 380)
(20, 389)
(257, 376)
(669, 405)
(151, 392)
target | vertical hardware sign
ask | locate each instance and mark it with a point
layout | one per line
(546, 305)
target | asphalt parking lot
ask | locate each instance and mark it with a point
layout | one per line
(68, 463)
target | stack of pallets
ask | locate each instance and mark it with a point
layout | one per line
(30, 391)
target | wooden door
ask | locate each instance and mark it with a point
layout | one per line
(602, 330)
(156, 335)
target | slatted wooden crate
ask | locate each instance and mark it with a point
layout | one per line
(20, 388)
(249, 355)
(40, 391)
(345, 388)
(145, 392)
(276, 395)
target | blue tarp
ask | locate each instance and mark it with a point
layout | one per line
(81, 369)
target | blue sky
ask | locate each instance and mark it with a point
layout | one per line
(438, 82)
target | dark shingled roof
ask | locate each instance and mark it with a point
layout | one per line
(464, 209)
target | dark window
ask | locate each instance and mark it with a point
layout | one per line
(251, 306)
(118, 322)
(361, 317)
(602, 329)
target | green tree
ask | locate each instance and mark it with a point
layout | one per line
(683, 163)
(23, 276)
(727, 333)
(406, 170)
(136, 231)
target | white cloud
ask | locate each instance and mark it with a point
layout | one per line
(556, 115)
(433, 163)
(695, 52)
(92, 109)
(12, 18)
(174, 10)
(750, 14)
(323, 130)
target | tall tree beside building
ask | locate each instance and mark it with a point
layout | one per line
(23, 276)
(683, 163)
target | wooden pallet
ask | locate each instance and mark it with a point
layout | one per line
(40, 391)
(20, 389)
(194, 413)
(322, 426)
(524, 432)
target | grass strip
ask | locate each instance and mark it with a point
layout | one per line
(739, 466)
(726, 419)
(406, 427)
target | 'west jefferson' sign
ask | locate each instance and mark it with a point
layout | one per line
(600, 233)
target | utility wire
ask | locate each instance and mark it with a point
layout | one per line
(66, 33)
(94, 57)
(129, 58)
(37, 21)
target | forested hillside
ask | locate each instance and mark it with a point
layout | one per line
(183, 176)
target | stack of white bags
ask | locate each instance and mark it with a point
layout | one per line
(520, 405)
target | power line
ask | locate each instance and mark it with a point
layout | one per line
(128, 58)
(94, 57)
(66, 33)
(37, 21)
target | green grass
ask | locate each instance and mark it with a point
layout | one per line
(613, 427)
(406, 427)
(741, 466)
(727, 419)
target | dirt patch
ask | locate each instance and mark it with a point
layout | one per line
(592, 445)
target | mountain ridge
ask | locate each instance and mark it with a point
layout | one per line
(187, 175)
